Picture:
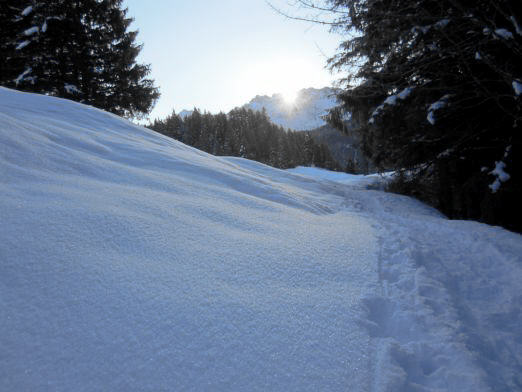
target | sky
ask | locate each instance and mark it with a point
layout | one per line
(217, 55)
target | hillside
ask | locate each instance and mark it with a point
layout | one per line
(130, 261)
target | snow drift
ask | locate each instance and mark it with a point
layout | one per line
(130, 261)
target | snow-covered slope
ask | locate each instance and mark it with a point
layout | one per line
(304, 114)
(130, 261)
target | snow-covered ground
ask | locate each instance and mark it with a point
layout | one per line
(131, 262)
(362, 181)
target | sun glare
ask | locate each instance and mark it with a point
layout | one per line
(289, 97)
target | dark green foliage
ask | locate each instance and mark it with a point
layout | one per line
(432, 88)
(80, 50)
(248, 134)
(343, 146)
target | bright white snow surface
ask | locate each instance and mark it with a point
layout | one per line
(131, 262)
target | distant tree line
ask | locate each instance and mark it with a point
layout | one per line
(435, 92)
(248, 134)
(80, 50)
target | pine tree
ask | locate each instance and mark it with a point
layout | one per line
(435, 89)
(247, 134)
(80, 50)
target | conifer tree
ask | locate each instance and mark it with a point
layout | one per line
(80, 50)
(247, 134)
(435, 89)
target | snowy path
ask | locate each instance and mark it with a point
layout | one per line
(448, 313)
(131, 262)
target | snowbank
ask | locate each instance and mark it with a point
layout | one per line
(130, 261)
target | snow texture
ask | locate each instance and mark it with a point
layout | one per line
(132, 262)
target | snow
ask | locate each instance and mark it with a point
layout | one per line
(441, 103)
(518, 29)
(71, 88)
(27, 10)
(355, 180)
(517, 86)
(500, 175)
(423, 29)
(23, 75)
(22, 45)
(442, 23)
(375, 113)
(391, 100)
(31, 31)
(304, 114)
(504, 33)
(405, 93)
(185, 113)
(130, 261)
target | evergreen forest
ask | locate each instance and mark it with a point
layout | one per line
(248, 134)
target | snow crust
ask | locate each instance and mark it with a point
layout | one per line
(130, 261)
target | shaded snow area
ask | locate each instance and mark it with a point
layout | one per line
(131, 262)
(355, 180)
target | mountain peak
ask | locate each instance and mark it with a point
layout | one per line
(305, 113)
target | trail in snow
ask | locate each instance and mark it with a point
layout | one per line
(130, 261)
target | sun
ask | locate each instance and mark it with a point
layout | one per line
(290, 96)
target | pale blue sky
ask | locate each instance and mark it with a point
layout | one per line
(217, 55)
